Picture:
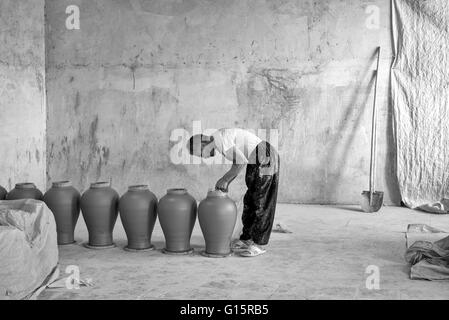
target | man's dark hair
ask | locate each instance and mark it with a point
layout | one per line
(194, 138)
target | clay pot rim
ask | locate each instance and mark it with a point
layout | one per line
(25, 185)
(216, 193)
(61, 184)
(138, 187)
(100, 184)
(177, 191)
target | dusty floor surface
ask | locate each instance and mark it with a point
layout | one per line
(325, 257)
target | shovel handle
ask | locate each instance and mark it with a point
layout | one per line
(372, 174)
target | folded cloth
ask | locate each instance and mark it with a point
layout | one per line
(429, 261)
(437, 207)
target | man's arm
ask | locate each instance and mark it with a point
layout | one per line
(239, 162)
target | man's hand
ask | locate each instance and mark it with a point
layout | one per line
(229, 176)
(222, 184)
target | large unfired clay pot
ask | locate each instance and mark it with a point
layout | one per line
(25, 190)
(138, 212)
(217, 215)
(3, 193)
(177, 215)
(64, 201)
(99, 206)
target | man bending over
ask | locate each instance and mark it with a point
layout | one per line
(262, 163)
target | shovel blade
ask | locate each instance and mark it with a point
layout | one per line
(372, 204)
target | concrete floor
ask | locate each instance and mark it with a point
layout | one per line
(325, 257)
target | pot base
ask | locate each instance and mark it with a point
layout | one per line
(139, 250)
(67, 244)
(213, 255)
(88, 246)
(177, 253)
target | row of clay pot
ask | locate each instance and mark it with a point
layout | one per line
(25, 190)
(138, 208)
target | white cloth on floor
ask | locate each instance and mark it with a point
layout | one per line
(28, 247)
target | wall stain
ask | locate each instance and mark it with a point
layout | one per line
(93, 140)
(106, 153)
(99, 166)
(65, 150)
(164, 7)
(268, 96)
(77, 101)
(51, 152)
(93, 147)
(40, 81)
(133, 66)
(80, 136)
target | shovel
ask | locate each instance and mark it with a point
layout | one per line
(372, 200)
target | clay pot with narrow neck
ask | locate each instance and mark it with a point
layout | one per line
(3, 193)
(99, 206)
(25, 190)
(138, 212)
(217, 215)
(64, 201)
(177, 215)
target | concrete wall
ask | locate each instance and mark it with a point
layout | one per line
(22, 92)
(138, 69)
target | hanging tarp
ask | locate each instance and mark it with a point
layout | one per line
(420, 94)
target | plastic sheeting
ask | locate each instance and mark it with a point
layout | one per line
(420, 92)
(28, 248)
(429, 261)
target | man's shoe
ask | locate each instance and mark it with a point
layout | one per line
(252, 251)
(238, 245)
